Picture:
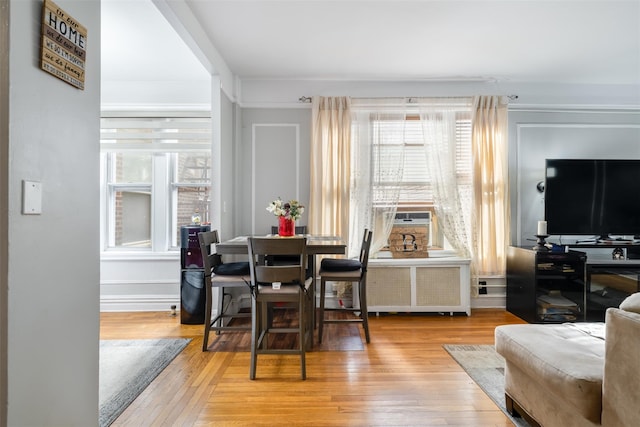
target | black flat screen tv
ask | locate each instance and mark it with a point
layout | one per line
(592, 197)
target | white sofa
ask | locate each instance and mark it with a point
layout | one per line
(575, 374)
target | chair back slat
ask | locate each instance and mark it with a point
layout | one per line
(260, 248)
(280, 273)
(364, 248)
(207, 239)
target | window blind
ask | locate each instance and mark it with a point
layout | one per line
(163, 134)
(414, 184)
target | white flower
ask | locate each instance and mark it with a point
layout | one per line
(290, 210)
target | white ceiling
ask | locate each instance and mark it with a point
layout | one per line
(138, 44)
(564, 41)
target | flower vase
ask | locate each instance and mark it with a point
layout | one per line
(286, 227)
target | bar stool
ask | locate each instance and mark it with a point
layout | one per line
(221, 276)
(286, 284)
(347, 270)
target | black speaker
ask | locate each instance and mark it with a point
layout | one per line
(192, 297)
(189, 235)
(191, 258)
(192, 291)
(190, 254)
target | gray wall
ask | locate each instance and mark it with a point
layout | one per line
(4, 202)
(227, 158)
(537, 135)
(274, 162)
(53, 262)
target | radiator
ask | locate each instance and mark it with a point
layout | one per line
(419, 285)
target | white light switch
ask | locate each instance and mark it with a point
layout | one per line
(31, 198)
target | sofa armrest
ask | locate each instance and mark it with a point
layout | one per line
(621, 393)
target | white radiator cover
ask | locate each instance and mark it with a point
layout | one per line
(419, 285)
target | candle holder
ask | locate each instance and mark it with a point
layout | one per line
(541, 243)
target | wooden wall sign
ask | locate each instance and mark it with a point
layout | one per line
(64, 43)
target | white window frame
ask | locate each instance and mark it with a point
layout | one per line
(164, 152)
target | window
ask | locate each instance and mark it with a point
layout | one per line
(190, 184)
(397, 139)
(156, 174)
(415, 191)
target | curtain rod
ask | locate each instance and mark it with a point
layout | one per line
(307, 99)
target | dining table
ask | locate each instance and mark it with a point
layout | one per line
(316, 245)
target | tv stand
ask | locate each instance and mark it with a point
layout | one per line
(553, 287)
(546, 287)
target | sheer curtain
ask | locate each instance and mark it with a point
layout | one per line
(377, 151)
(357, 157)
(491, 198)
(330, 166)
(452, 193)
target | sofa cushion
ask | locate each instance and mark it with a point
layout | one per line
(567, 362)
(595, 329)
(631, 303)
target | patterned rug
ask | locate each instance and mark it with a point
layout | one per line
(486, 368)
(127, 367)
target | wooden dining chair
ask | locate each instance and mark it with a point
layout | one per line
(279, 284)
(347, 270)
(221, 276)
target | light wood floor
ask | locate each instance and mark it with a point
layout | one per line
(402, 378)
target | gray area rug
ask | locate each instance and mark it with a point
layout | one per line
(486, 368)
(127, 367)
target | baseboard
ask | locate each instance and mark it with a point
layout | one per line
(139, 303)
(489, 301)
(164, 302)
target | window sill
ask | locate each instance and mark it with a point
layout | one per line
(432, 254)
(139, 256)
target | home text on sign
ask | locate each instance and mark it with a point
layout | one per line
(68, 29)
(63, 47)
